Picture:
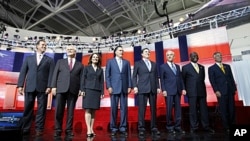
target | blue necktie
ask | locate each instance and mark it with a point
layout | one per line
(173, 68)
(120, 64)
(148, 64)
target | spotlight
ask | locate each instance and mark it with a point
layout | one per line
(30, 38)
(16, 37)
(132, 44)
(90, 50)
(144, 30)
(139, 31)
(6, 35)
(105, 37)
(134, 31)
(8, 48)
(35, 38)
(118, 34)
(124, 32)
(40, 38)
(190, 15)
(67, 38)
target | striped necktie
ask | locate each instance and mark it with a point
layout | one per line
(173, 68)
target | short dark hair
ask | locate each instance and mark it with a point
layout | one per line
(144, 49)
(190, 55)
(38, 42)
(117, 48)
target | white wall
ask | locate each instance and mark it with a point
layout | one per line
(239, 39)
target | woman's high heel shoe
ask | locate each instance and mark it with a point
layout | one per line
(90, 135)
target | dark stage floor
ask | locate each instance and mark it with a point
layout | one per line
(102, 128)
(105, 136)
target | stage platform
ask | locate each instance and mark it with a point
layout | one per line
(101, 126)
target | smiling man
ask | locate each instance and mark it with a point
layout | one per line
(66, 86)
(194, 79)
(35, 75)
(146, 86)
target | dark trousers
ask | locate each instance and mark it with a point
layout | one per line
(198, 103)
(173, 101)
(61, 100)
(227, 110)
(29, 102)
(114, 99)
(142, 104)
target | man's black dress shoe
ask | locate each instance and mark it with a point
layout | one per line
(25, 133)
(124, 133)
(141, 133)
(193, 130)
(57, 134)
(70, 133)
(39, 133)
(113, 133)
(156, 132)
(209, 130)
(180, 131)
(171, 131)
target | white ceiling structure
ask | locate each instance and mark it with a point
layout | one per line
(93, 17)
(102, 18)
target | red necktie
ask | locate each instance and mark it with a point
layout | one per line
(70, 64)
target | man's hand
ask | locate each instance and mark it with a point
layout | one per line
(110, 90)
(48, 90)
(184, 92)
(158, 90)
(129, 90)
(135, 90)
(218, 94)
(164, 93)
(53, 91)
(81, 93)
(20, 90)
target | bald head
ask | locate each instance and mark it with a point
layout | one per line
(170, 56)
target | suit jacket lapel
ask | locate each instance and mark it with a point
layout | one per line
(219, 69)
(66, 64)
(192, 67)
(170, 69)
(42, 61)
(145, 65)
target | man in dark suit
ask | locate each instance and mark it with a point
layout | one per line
(118, 83)
(193, 75)
(146, 86)
(35, 75)
(172, 88)
(223, 84)
(66, 86)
